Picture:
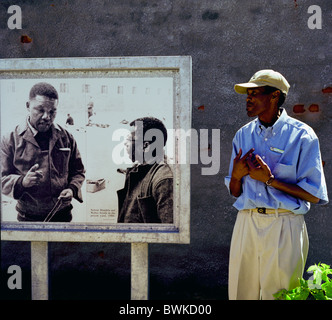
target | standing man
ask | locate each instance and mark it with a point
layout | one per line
(40, 161)
(147, 196)
(275, 173)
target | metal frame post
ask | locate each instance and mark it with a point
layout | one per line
(39, 270)
(139, 271)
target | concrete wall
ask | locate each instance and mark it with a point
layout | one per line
(228, 41)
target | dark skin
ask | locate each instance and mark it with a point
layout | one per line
(265, 107)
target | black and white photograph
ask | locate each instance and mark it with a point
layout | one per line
(82, 135)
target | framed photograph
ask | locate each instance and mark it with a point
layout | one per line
(96, 149)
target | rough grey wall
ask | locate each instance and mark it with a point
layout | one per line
(228, 41)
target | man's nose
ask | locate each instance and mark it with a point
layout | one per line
(46, 116)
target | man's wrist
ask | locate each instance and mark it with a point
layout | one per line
(236, 179)
(270, 180)
(19, 188)
(74, 190)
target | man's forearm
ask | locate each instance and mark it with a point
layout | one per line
(235, 187)
(261, 172)
(294, 190)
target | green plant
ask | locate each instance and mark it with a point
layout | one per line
(319, 287)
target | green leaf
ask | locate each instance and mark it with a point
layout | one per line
(327, 287)
(303, 283)
(318, 286)
(325, 275)
(298, 293)
(324, 266)
(319, 295)
(280, 295)
(317, 273)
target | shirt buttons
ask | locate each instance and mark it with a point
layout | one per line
(265, 139)
(260, 194)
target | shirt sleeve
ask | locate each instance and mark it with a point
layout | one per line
(163, 195)
(235, 150)
(8, 176)
(310, 171)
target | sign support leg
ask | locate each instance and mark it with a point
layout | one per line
(39, 270)
(139, 271)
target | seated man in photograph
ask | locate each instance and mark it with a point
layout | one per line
(40, 162)
(147, 196)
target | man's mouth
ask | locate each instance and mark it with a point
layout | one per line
(249, 106)
(44, 125)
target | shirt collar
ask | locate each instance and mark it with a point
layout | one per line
(35, 131)
(277, 125)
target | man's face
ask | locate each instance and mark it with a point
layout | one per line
(130, 146)
(135, 147)
(42, 111)
(258, 103)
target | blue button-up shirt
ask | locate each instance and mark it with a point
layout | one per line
(291, 149)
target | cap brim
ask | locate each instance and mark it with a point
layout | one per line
(241, 88)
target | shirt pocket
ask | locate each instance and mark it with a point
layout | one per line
(285, 172)
(60, 160)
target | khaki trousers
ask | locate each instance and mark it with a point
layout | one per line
(268, 253)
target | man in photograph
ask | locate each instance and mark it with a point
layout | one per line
(275, 174)
(70, 120)
(41, 166)
(147, 196)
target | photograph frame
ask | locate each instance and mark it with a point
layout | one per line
(147, 66)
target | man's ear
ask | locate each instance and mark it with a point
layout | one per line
(276, 94)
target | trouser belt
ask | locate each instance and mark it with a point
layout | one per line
(268, 210)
